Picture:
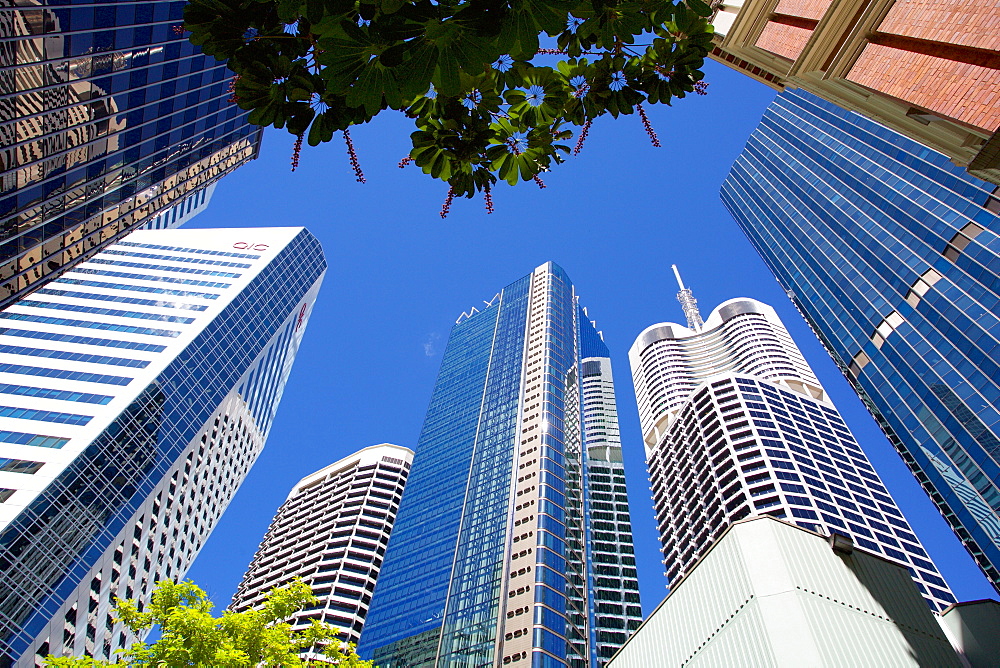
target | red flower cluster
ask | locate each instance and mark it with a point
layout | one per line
(584, 131)
(296, 151)
(233, 97)
(446, 207)
(488, 196)
(354, 157)
(649, 126)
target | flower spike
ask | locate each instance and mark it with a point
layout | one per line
(354, 157)
(446, 207)
(649, 126)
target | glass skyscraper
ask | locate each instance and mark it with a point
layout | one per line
(137, 391)
(891, 253)
(736, 424)
(512, 545)
(108, 116)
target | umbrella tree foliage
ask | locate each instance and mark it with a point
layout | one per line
(487, 100)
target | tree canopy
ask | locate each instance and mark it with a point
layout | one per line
(493, 86)
(191, 636)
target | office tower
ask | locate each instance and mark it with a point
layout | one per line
(493, 559)
(331, 532)
(891, 254)
(108, 116)
(136, 390)
(926, 69)
(768, 593)
(735, 424)
(616, 597)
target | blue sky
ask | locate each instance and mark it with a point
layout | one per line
(615, 218)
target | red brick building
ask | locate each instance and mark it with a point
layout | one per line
(927, 68)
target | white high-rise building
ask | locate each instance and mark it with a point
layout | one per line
(735, 423)
(332, 532)
(615, 598)
(136, 391)
(182, 212)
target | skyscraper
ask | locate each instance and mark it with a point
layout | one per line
(108, 116)
(926, 69)
(892, 255)
(331, 532)
(137, 391)
(615, 591)
(493, 559)
(736, 424)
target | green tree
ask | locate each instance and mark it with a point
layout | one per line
(191, 636)
(465, 71)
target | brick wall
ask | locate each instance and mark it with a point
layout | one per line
(965, 22)
(783, 40)
(808, 9)
(967, 93)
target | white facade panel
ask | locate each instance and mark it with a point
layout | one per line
(772, 594)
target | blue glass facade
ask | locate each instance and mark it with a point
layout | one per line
(891, 254)
(108, 116)
(53, 543)
(489, 558)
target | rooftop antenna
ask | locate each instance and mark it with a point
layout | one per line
(688, 303)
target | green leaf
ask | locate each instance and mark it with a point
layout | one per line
(375, 81)
(435, 61)
(700, 8)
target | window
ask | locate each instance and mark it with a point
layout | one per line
(68, 375)
(85, 340)
(120, 299)
(175, 258)
(44, 416)
(961, 239)
(150, 277)
(179, 270)
(19, 466)
(76, 357)
(105, 311)
(136, 288)
(200, 251)
(89, 324)
(62, 395)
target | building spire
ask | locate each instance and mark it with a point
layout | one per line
(688, 303)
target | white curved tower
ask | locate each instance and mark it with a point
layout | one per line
(735, 423)
(741, 336)
(332, 532)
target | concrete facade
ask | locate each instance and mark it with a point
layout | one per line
(332, 532)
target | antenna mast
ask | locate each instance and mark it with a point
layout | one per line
(688, 303)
